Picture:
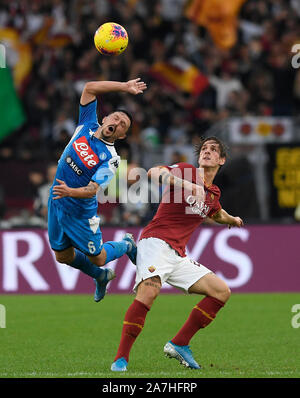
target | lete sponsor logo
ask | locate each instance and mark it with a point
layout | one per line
(86, 154)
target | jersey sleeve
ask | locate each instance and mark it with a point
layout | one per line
(88, 113)
(217, 205)
(106, 172)
(215, 209)
(184, 171)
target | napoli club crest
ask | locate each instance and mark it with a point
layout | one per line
(102, 156)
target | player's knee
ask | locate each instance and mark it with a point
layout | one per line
(63, 258)
(223, 294)
(147, 296)
(99, 260)
(148, 290)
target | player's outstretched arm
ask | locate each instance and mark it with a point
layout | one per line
(92, 89)
(63, 190)
(162, 175)
(222, 217)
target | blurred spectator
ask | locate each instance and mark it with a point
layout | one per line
(2, 203)
(36, 179)
(177, 131)
(225, 84)
(41, 201)
(236, 181)
(150, 137)
(177, 157)
(252, 78)
(171, 10)
(63, 124)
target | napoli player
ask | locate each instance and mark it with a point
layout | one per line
(88, 163)
(161, 253)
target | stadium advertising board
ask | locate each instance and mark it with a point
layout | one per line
(251, 259)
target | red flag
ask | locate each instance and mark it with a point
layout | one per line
(179, 74)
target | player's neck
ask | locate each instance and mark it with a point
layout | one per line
(98, 134)
(107, 140)
(209, 176)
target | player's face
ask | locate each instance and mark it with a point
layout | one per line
(115, 126)
(209, 156)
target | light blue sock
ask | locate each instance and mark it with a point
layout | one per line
(115, 250)
(86, 266)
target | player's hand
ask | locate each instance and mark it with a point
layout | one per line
(136, 86)
(237, 222)
(62, 190)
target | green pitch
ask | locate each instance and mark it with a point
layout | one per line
(71, 336)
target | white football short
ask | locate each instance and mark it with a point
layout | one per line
(156, 257)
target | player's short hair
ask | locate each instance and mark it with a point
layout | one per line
(223, 147)
(123, 111)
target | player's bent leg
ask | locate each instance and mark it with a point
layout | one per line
(213, 286)
(112, 250)
(76, 259)
(79, 260)
(65, 256)
(217, 293)
(100, 259)
(148, 290)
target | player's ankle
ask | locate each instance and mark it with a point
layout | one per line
(129, 247)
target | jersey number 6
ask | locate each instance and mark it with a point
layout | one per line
(91, 247)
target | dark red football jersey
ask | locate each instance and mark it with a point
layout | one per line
(179, 213)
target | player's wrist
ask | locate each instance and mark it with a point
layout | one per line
(125, 87)
(232, 220)
(71, 192)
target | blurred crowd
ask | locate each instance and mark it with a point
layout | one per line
(252, 78)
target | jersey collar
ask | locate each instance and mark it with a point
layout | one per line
(105, 142)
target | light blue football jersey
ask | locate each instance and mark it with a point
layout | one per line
(85, 158)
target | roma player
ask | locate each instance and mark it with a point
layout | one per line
(161, 253)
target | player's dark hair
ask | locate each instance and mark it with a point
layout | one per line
(222, 146)
(126, 113)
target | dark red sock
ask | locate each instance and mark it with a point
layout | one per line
(202, 314)
(132, 326)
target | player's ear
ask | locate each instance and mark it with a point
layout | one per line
(103, 120)
(222, 161)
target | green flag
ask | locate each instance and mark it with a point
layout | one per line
(11, 112)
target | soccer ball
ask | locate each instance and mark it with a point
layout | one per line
(111, 39)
